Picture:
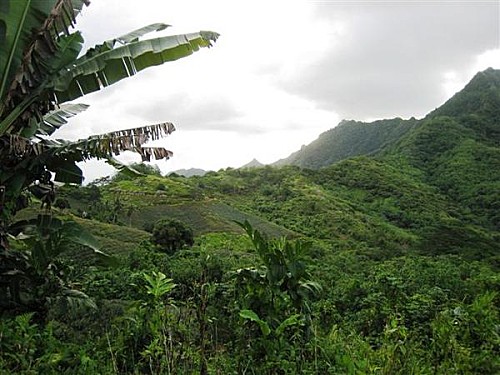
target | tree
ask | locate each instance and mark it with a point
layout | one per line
(171, 235)
(41, 69)
(62, 203)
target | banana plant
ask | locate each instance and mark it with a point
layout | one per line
(41, 68)
(293, 320)
(275, 297)
(284, 270)
(279, 289)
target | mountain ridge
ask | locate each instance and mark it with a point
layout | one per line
(480, 97)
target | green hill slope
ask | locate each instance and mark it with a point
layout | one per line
(457, 147)
(348, 139)
(428, 186)
(476, 107)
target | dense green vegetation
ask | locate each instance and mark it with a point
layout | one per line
(349, 139)
(379, 264)
(375, 252)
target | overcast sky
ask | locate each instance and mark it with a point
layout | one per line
(282, 72)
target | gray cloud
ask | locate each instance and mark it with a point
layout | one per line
(189, 113)
(392, 57)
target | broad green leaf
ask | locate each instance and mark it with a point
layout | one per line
(126, 169)
(252, 315)
(24, 227)
(92, 73)
(29, 58)
(76, 298)
(130, 37)
(134, 36)
(68, 48)
(49, 236)
(16, 182)
(293, 320)
(18, 23)
(55, 119)
(13, 115)
(309, 288)
(77, 234)
(68, 172)
(19, 19)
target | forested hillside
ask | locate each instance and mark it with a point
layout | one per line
(476, 106)
(349, 139)
(376, 252)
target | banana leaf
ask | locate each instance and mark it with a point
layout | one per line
(53, 120)
(107, 145)
(134, 36)
(18, 20)
(95, 72)
(251, 315)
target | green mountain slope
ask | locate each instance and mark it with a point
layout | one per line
(480, 98)
(427, 186)
(348, 139)
(476, 107)
(457, 147)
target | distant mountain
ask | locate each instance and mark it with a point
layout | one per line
(253, 164)
(190, 172)
(348, 139)
(476, 107)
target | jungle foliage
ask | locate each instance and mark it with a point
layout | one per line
(383, 261)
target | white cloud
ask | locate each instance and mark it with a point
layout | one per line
(488, 59)
(454, 81)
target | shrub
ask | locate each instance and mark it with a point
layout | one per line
(62, 203)
(171, 235)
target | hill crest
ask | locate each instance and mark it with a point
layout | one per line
(480, 97)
